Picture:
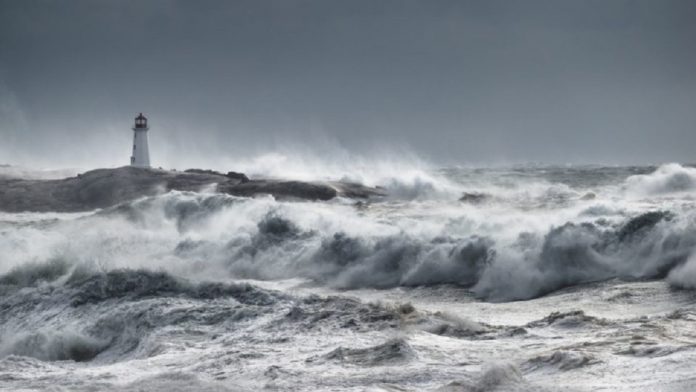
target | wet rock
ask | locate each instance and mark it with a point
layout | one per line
(104, 188)
(237, 176)
(203, 171)
(280, 189)
(588, 196)
(474, 197)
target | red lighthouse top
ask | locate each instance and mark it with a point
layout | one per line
(141, 121)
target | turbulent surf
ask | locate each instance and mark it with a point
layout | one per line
(529, 278)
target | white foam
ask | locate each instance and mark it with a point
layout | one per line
(666, 179)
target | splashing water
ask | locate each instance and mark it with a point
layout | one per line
(299, 293)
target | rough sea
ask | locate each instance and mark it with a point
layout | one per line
(524, 278)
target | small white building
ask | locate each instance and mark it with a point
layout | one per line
(141, 153)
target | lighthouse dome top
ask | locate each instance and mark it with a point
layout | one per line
(141, 121)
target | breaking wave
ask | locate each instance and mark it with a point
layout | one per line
(646, 246)
(80, 314)
(53, 346)
(403, 178)
(85, 315)
(562, 360)
(393, 352)
(499, 251)
(666, 179)
(257, 293)
(495, 377)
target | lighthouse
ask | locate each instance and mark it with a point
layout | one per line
(141, 153)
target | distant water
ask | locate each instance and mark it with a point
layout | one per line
(530, 278)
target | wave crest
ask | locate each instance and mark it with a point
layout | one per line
(53, 346)
(666, 179)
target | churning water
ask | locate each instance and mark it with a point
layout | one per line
(462, 279)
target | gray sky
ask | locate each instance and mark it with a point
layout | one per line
(490, 81)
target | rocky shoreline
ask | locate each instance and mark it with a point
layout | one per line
(103, 188)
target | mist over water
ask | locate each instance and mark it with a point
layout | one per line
(440, 196)
(430, 268)
(547, 227)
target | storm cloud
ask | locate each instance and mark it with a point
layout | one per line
(451, 81)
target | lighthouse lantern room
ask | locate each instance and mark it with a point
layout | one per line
(141, 153)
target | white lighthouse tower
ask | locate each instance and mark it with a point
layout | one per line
(141, 153)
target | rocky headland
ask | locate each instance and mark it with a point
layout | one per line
(103, 188)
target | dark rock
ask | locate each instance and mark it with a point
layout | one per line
(238, 176)
(474, 197)
(281, 189)
(588, 196)
(203, 171)
(356, 191)
(103, 188)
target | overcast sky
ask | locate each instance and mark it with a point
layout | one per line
(470, 82)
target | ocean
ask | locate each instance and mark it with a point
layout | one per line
(520, 278)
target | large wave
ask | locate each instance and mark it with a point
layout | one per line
(500, 250)
(667, 179)
(53, 312)
(403, 175)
